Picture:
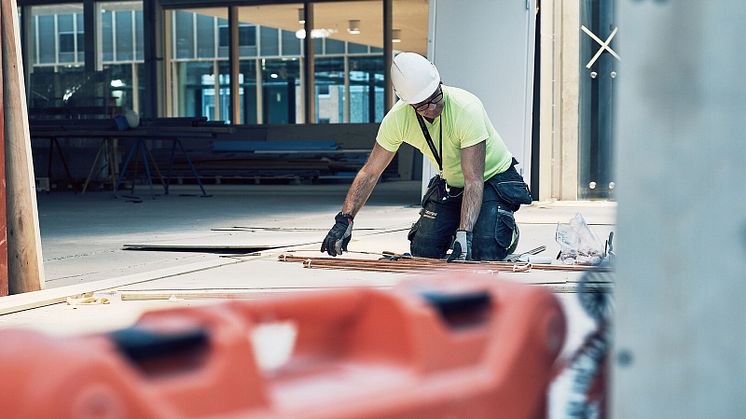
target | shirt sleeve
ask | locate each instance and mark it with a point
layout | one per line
(390, 133)
(471, 128)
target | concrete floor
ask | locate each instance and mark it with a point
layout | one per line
(82, 239)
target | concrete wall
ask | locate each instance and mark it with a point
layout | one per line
(680, 344)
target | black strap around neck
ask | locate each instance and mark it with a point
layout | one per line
(438, 155)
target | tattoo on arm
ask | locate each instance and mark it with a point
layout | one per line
(472, 165)
(471, 204)
(359, 192)
(366, 179)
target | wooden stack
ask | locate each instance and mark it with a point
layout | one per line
(21, 268)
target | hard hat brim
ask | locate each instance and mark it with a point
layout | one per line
(423, 95)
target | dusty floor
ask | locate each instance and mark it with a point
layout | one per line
(83, 237)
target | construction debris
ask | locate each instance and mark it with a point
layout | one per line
(86, 299)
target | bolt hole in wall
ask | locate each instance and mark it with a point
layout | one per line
(598, 77)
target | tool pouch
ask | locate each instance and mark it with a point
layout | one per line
(511, 190)
(437, 191)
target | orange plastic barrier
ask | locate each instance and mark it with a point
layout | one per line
(458, 348)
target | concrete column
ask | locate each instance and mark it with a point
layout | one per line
(680, 337)
(567, 152)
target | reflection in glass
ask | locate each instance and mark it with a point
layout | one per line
(366, 89)
(247, 90)
(365, 77)
(271, 29)
(121, 44)
(195, 42)
(121, 84)
(195, 89)
(410, 22)
(280, 84)
(330, 90)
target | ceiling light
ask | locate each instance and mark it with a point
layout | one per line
(315, 33)
(301, 16)
(354, 27)
(396, 35)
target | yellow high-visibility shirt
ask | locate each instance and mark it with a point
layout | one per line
(465, 123)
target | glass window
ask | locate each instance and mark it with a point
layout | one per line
(361, 29)
(246, 40)
(183, 34)
(354, 48)
(107, 30)
(366, 89)
(139, 55)
(330, 91)
(80, 37)
(290, 43)
(334, 46)
(65, 23)
(205, 36)
(269, 41)
(246, 35)
(121, 38)
(596, 101)
(47, 53)
(223, 38)
(410, 23)
(121, 85)
(125, 39)
(66, 38)
(224, 91)
(281, 98)
(247, 90)
(280, 82)
(195, 88)
(66, 44)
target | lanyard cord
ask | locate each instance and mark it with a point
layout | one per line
(426, 133)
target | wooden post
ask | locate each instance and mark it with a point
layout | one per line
(3, 218)
(25, 269)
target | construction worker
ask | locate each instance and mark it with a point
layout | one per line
(469, 205)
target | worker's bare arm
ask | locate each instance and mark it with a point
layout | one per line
(366, 179)
(472, 165)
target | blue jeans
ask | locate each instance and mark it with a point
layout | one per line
(495, 234)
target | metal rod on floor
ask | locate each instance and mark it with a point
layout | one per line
(404, 261)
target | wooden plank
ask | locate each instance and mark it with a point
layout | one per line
(257, 293)
(31, 300)
(25, 268)
(3, 215)
(216, 294)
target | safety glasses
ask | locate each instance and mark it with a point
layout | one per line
(430, 104)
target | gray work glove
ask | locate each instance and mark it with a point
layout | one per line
(461, 246)
(339, 236)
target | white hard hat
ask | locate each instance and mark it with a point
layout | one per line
(415, 78)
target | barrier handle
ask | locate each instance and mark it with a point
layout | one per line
(460, 310)
(140, 344)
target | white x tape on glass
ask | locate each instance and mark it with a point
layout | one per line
(604, 45)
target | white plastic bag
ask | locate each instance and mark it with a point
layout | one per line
(578, 244)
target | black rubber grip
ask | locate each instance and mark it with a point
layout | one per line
(460, 310)
(140, 344)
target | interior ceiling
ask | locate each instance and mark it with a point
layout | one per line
(409, 16)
